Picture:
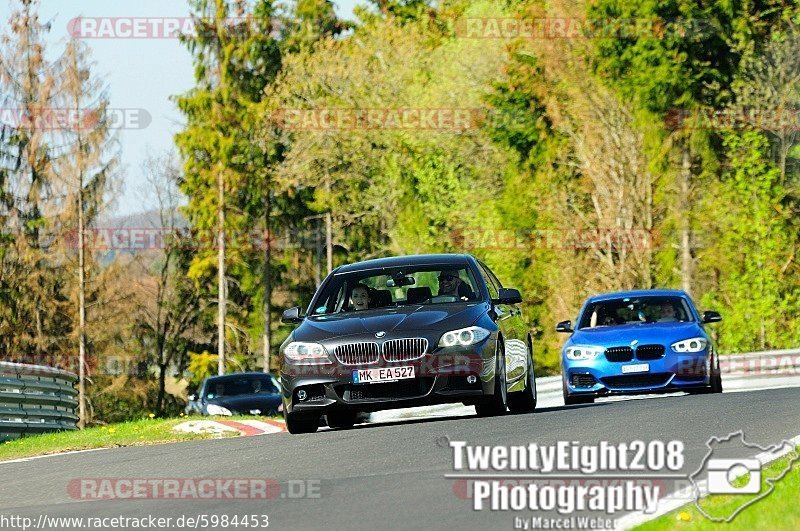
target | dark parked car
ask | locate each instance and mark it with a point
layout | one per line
(406, 331)
(248, 393)
(637, 342)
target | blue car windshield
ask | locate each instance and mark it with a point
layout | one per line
(385, 288)
(630, 310)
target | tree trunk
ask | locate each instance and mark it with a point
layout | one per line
(317, 253)
(162, 388)
(267, 281)
(221, 297)
(81, 314)
(685, 215)
(329, 228)
(329, 241)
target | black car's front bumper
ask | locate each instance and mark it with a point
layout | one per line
(442, 376)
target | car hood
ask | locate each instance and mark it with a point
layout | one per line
(245, 403)
(391, 320)
(644, 333)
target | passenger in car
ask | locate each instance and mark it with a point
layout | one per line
(359, 298)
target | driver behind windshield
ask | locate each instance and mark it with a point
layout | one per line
(667, 313)
(448, 283)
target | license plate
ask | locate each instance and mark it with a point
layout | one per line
(387, 374)
(639, 367)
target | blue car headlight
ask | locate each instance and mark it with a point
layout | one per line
(695, 344)
(583, 352)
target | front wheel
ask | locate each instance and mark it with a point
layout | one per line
(525, 400)
(497, 404)
(301, 423)
(716, 375)
(716, 383)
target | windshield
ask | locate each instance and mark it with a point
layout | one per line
(245, 385)
(627, 310)
(366, 290)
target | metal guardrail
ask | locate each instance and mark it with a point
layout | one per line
(35, 399)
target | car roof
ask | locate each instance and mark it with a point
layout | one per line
(409, 260)
(639, 293)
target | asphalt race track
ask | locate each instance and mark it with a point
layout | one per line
(386, 475)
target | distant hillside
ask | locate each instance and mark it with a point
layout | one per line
(149, 219)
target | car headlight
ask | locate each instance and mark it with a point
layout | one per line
(584, 353)
(696, 344)
(463, 336)
(300, 353)
(214, 409)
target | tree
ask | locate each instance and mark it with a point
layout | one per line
(84, 172)
(170, 305)
(226, 167)
(33, 322)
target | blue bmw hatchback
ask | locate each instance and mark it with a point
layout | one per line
(636, 342)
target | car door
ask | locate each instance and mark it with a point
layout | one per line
(509, 319)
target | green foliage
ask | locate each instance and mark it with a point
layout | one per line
(758, 236)
(127, 398)
(572, 136)
(204, 365)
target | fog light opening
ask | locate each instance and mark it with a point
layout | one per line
(471, 379)
(301, 394)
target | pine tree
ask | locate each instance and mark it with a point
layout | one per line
(83, 173)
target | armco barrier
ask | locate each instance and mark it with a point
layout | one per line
(35, 399)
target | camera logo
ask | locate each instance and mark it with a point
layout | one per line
(732, 466)
(723, 473)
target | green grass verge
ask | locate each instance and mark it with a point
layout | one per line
(134, 433)
(779, 510)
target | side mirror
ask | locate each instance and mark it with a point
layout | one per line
(565, 327)
(711, 317)
(508, 296)
(291, 316)
(192, 398)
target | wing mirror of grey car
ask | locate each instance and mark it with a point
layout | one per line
(291, 316)
(711, 317)
(508, 296)
(564, 326)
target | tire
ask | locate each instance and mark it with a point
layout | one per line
(716, 376)
(525, 401)
(341, 419)
(300, 423)
(497, 404)
(715, 382)
(570, 400)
